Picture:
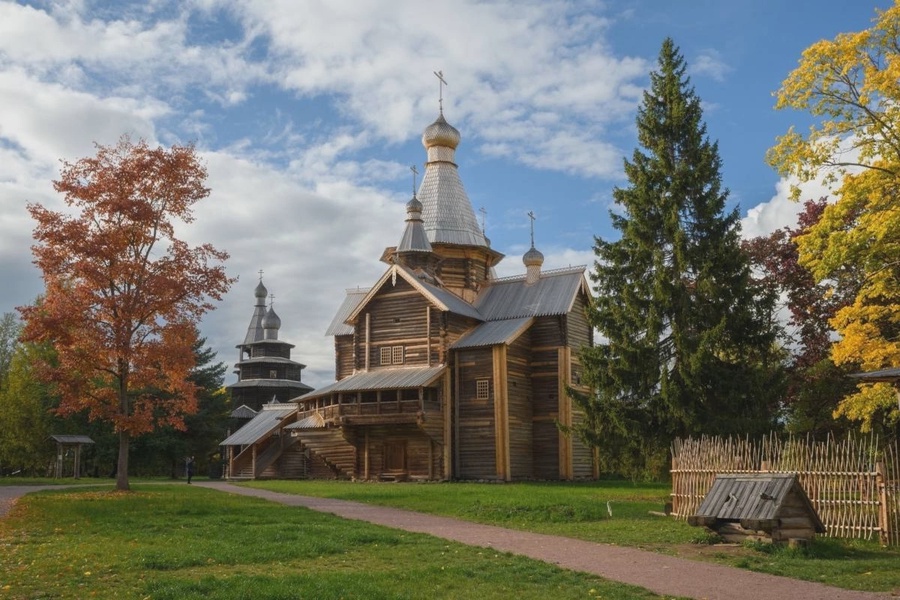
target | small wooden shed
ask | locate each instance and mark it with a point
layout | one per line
(65, 442)
(763, 506)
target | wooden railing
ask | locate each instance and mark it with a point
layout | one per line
(853, 484)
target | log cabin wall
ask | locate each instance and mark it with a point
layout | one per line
(398, 318)
(462, 270)
(579, 336)
(398, 451)
(344, 363)
(475, 433)
(546, 340)
(519, 407)
(260, 350)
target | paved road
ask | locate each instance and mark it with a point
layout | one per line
(659, 573)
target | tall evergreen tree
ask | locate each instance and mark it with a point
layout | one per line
(687, 337)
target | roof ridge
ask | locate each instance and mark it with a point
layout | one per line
(544, 273)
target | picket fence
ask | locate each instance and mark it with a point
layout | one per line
(854, 484)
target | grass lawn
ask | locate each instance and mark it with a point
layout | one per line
(179, 542)
(582, 510)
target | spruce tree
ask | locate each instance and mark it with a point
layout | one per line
(687, 337)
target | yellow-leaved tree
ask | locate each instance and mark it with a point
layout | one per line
(851, 87)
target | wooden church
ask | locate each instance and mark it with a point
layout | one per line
(443, 371)
(264, 369)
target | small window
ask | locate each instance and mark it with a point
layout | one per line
(273, 374)
(483, 389)
(397, 355)
(386, 355)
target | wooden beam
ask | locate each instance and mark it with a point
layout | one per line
(368, 333)
(446, 405)
(501, 413)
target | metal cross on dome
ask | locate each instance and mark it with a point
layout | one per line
(441, 84)
(531, 216)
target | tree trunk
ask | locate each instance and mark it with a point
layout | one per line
(122, 469)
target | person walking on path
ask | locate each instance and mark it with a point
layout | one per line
(189, 468)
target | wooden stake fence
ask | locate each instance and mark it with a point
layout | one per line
(853, 484)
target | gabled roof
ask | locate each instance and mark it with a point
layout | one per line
(753, 498)
(243, 412)
(493, 333)
(553, 294)
(351, 301)
(265, 422)
(393, 378)
(439, 298)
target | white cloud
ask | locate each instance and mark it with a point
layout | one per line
(710, 63)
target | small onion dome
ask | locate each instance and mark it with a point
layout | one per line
(271, 320)
(533, 258)
(441, 133)
(414, 206)
(261, 291)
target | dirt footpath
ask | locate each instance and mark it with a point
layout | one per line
(667, 575)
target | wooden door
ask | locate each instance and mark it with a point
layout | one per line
(395, 456)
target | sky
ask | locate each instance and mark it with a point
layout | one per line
(309, 113)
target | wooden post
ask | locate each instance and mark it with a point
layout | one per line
(366, 455)
(428, 335)
(501, 413)
(368, 350)
(884, 524)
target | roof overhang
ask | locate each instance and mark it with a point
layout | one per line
(381, 379)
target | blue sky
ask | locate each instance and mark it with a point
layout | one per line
(308, 115)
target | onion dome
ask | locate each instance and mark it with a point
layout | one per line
(441, 133)
(271, 324)
(261, 292)
(414, 237)
(272, 321)
(413, 206)
(533, 258)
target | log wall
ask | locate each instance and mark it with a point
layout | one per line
(475, 425)
(519, 407)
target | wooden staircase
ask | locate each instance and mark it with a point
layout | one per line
(330, 445)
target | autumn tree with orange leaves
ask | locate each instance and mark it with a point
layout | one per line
(123, 295)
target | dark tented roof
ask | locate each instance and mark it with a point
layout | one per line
(381, 379)
(266, 421)
(269, 383)
(511, 298)
(494, 332)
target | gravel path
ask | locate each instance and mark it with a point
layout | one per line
(667, 575)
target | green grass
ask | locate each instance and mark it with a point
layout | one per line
(579, 510)
(180, 542)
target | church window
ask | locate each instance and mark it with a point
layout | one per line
(392, 355)
(482, 389)
(397, 355)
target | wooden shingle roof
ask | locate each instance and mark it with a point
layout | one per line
(754, 500)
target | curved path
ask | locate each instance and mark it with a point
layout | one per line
(667, 575)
